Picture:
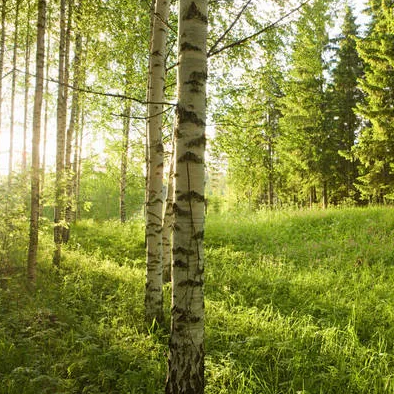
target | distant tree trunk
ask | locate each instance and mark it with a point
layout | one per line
(270, 174)
(168, 221)
(124, 159)
(2, 50)
(154, 204)
(13, 89)
(325, 195)
(27, 86)
(79, 169)
(35, 167)
(73, 125)
(186, 356)
(75, 164)
(60, 137)
(46, 110)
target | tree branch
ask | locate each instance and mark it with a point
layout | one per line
(243, 40)
(95, 92)
(229, 28)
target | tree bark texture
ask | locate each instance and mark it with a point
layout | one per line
(60, 138)
(46, 113)
(2, 50)
(124, 161)
(186, 356)
(13, 91)
(168, 221)
(35, 167)
(27, 88)
(72, 129)
(154, 203)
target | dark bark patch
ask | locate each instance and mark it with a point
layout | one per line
(186, 252)
(195, 86)
(159, 148)
(198, 76)
(181, 264)
(194, 13)
(198, 235)
(191, 196)
(189, 116)
(190, 157)
(156, 53)
(191, 283)
(179, 211)
(200, 141)
(186, 46)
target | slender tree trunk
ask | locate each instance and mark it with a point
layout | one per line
(35, 168)
(325, 195)
(79, 169)
(71, 132)
(186, 357)
(46, 113)
(27, 87)
(168, 221)
(13, 90)
(2, 50)
(154, 204)
(60, 138)
(270, 174)
(124, 159)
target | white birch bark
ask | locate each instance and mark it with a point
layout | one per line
(168, 222)
(154, 203)
(35, 173)
(2, 51)
(186, 358)
(60, 137)
(13, 92)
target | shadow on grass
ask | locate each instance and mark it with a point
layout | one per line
(81, 331)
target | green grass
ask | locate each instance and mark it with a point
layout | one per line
(296, 302)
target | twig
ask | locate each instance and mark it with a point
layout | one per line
(95, 92)
(229, 28)
(243, 40)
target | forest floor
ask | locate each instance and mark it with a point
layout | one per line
(296, 302)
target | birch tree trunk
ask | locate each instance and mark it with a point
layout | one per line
(186, 357)
(73, 125)
(168, 222)
(124, 160)
(60, 138)
(154, 203)
(35, 167)
(2, 50)
(46, 111)
(13, 91)
(27, 86)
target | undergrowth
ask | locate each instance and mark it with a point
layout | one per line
(297, 302)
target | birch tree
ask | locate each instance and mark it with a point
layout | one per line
(154, 203)
(2, 50)
(186, 357)
(60, 137)
(35, 168)
(13, 92)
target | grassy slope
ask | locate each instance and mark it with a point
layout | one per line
(296, 302)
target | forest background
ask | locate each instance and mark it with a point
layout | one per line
(300, 111)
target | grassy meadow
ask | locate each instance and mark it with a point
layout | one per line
(296, 302)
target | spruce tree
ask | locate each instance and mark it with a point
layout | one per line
(375, 148)
(305, 142)
(345, 95)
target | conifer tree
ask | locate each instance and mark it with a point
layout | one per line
(305, 141)
(344, 97)
(375, 148)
